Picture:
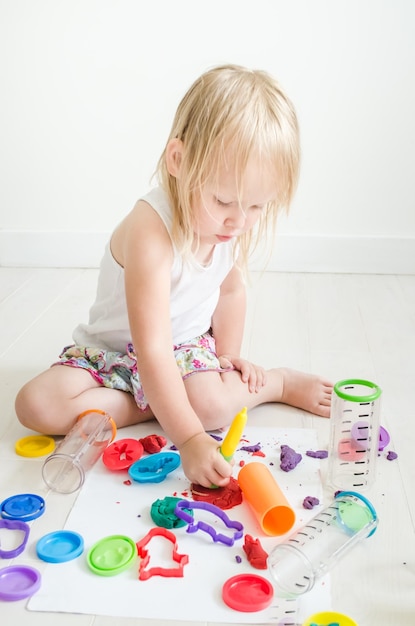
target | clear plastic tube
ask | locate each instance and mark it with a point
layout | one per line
(315, 548)
(64, 470)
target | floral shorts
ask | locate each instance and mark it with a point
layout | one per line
(119, 371)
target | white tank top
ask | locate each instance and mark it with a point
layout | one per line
(193, 297)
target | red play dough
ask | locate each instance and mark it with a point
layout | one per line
(223, 497)
(153, 443)
(255, 552)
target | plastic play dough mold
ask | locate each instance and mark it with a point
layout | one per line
(111, 555)
(24, 506)
(181, 511)
(15, 525)
(247, 593)
(168, 572)
(18, 582)
(121, 454)
(154, 468)
(60, 546)
(34, 446)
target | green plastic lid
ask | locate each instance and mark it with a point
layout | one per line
(111, 555)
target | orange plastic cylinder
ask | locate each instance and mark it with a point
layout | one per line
(266, 499)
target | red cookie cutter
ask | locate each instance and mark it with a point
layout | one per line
(168, 572)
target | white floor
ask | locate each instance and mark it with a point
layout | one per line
(341, 326)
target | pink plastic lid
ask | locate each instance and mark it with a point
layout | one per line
(247, 593)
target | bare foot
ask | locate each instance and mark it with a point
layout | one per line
(306, 391)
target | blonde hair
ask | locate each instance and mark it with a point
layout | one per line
(231, 108)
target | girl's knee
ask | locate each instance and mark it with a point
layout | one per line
(214, 413)
(29, 405)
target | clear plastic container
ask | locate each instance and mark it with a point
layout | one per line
(64, 470)
(354, 435)
(315, 548)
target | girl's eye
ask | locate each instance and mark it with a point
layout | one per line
(221, 203)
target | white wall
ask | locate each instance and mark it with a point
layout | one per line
(89, 89)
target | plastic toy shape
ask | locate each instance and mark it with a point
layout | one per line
(23, 506)
(384, 438)
(167, 572)
(121, 454)
(13, 524)
(60, 546)
(111, 555)
(207, 528)
(154, 469)
(34, 446)
(234, 435)
(247, 593)
(329, 618)
(18, 582)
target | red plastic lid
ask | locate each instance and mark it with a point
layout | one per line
(247, 593)
(121, 454)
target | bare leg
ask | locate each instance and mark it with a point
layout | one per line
(51, 402)
(216, 398)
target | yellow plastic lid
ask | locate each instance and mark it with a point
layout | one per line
(329, 617)
(34, 445)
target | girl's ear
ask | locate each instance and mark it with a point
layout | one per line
(174, 151)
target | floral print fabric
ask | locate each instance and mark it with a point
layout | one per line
(121, 371)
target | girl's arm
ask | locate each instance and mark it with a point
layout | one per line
(228, 326)
(229, 317)
(143, 247)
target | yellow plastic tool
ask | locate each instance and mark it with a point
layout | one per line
(234, 435)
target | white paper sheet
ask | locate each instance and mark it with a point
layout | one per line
(106, 506)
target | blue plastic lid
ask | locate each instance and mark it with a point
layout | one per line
(24, 506)
(60, 546)
(155, 467)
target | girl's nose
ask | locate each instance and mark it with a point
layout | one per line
(236, 217)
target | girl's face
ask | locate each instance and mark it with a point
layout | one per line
(223, 211)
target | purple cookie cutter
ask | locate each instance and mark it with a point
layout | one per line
(14, 524)
(207, 528)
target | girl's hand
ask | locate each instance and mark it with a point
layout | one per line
(253, 375)
(203, 463)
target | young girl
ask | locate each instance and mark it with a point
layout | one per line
(165, 331)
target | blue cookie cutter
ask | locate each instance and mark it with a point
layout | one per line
(154, 468)
(193, 526)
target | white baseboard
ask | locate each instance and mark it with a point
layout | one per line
(292, 253)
